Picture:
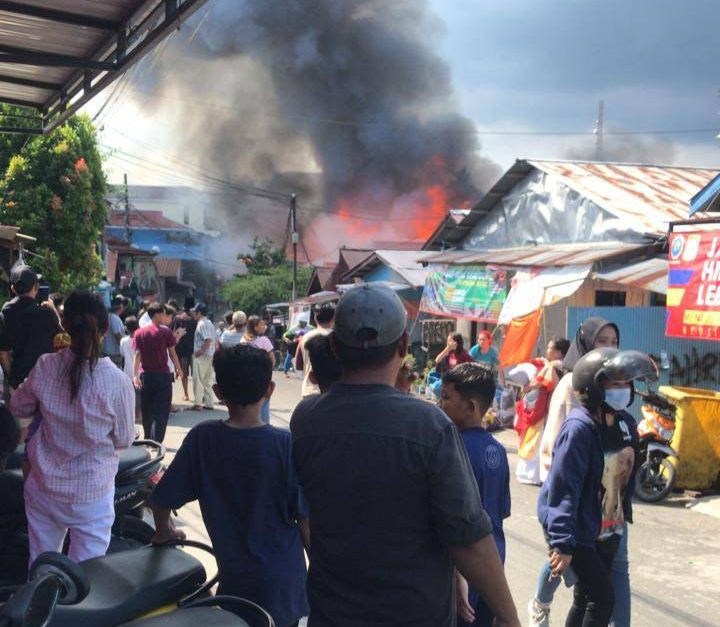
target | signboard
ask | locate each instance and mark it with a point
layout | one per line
(693, 297)
(472, 292)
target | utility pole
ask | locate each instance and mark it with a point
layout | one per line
(127, 209)
(295, 238)
(599, 127)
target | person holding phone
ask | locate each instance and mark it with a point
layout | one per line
(27, 329)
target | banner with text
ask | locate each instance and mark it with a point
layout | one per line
(472, 292)
(693, 296)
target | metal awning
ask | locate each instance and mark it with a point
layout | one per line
(650, 275)
(56, 55)
(543, 255)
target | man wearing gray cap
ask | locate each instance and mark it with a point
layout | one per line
(394, 506)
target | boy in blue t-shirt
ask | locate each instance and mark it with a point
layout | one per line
(241, 471)
(467, 393)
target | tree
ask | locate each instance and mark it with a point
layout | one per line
(54, 190)
(268, 280)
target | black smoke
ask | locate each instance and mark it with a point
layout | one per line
(259, 90)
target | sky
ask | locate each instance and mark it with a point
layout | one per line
(528, 73)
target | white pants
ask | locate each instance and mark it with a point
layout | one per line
(49, 521)
(202, 373)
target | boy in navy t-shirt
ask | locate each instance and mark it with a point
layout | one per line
(241, 472)
(467, 393)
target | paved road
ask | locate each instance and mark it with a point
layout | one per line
(674, 551)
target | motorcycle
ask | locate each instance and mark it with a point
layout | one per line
(139, 470)
(154, 586)
(656, 475)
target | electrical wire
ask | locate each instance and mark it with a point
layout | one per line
(488, 132)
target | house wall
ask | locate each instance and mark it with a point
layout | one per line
(541, 209)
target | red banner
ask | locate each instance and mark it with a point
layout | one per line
(693, 297)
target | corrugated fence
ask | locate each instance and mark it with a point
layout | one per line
(686, 363)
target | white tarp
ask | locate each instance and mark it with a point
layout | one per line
(540, 287)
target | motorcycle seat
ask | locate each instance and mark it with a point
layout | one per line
(130, 584)
(192, 617)
(132, 456)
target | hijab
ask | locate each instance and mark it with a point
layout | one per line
(585, 339)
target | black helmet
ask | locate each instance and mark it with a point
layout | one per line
(613, 365)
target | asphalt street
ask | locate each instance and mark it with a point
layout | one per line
(674, 550)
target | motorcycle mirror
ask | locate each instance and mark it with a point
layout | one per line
(33, 604)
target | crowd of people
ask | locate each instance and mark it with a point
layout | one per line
(398, 503)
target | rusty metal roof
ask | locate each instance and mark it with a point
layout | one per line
(645, 197)
(168, 267)
(55, 55)
(650, 275)
(543, 255)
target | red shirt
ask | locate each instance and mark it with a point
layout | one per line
(153, 342)
(455, 359)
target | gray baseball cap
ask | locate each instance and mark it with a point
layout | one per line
(369, 316)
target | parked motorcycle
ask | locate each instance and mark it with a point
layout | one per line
(656, 475)
(161, 581)
(139, 470)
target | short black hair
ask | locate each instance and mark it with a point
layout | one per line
(228, 318)
(355, 359)
(561, 344)
(459, 340)
(473, 381)
(173, 303)
(131, 324)
(154, 309)
(325, 364)
(324, 313)
(243, 373)
(170, 310)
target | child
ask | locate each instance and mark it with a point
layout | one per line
(467, 393)
(241, 472)
(325, 366)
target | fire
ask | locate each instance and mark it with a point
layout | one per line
(375, 218)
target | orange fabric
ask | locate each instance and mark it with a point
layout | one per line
(520, 338)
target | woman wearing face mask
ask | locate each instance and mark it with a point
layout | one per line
(585, 502)
(593, 333)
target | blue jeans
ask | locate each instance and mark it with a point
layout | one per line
(621, 583)
(288, 363)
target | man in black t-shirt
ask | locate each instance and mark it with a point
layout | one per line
(27, 329)
(394, 506)
(184, 348)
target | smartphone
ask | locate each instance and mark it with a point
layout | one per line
(43, 294)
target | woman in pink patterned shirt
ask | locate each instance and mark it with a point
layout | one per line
(86, 410)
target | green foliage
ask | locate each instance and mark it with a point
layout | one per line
(54, 189)
(269, 279)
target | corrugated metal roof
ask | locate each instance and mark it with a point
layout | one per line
(650, 275)
(55, 55)
(546, 255)
(646, 197)
(405, 263)
(145, 219)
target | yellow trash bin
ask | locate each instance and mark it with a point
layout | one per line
(697, 436)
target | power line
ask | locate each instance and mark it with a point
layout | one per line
(488, 132)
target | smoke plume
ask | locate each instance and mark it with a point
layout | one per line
(628, 149)
(266, 92)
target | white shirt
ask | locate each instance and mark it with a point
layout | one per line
(205, 331)
(128, 354)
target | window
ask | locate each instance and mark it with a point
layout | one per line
(186, 215)
(658, 300)
(605, 298)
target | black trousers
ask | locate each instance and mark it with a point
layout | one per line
(155, 400)
(593, 596)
